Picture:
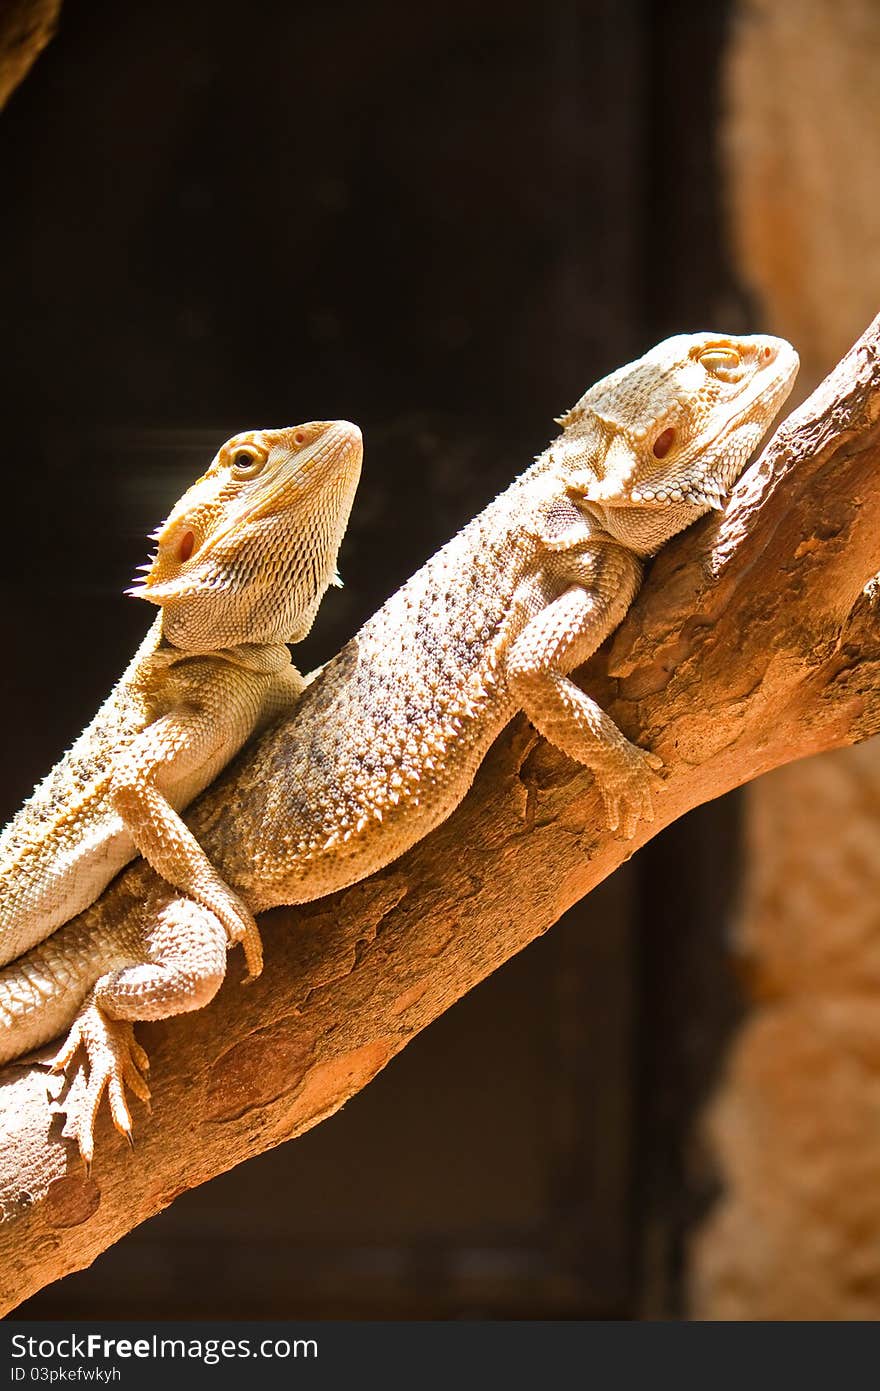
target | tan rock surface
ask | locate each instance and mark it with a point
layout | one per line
(796, 1124)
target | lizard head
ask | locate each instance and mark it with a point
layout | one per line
(250, 549)
(661, 441)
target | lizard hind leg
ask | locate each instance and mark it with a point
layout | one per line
(184, 966)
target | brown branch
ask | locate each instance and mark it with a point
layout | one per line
(755, 641)
(26, 26)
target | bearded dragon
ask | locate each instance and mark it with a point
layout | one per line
(240, 568)
(385, 742)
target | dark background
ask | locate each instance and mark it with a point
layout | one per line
(442, 221)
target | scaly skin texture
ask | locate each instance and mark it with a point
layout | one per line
(385, 742)
(240, 568)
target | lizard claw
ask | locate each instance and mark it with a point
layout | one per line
(115, 1061)
(240, 926)
(252, 945)
(244, 930)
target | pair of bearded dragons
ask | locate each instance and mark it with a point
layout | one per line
(391, 734)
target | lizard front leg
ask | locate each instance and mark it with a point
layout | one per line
(561, 637)
(171, 750)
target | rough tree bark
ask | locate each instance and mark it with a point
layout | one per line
(755, 641)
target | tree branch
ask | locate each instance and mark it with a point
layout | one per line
(755, 641)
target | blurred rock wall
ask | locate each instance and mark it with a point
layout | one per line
(795, 1123)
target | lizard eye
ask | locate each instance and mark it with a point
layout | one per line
(663, 443)
(718, 361)
(247, 463)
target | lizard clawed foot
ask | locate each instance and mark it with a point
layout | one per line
(115, 1061)
(627, 795)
